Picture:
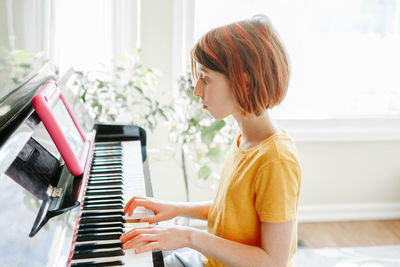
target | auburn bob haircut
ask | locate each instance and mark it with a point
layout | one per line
(253, 58)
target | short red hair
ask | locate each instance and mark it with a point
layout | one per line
(253, 58)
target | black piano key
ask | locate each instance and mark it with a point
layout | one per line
(87, 216)
(85, 220)
(102, 202)
(107, 171)
(94, 245)
(108, 144)
(105, 179)
(104, 187)
(97, 237)
(110, 179)
(102, 183)
(99, 231)
(108, 207)
(107, 176)
(106, 168)
(104, 198)
(98, 188)
(101, 193)
(107, 163)
(97, 264)
(90, 254)
(110, 171)
(94, 213)
(98, 225)
(100, 177)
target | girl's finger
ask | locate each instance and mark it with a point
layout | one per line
(152, 219)
(139, 203)
(134, 232)
(147, 247)
(130, 202)
(142, 238)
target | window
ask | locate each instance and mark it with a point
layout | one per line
(345, 54)
(82, 33)
(94, 31)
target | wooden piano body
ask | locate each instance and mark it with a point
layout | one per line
(41, 203)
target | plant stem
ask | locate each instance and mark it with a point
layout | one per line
(185, 176)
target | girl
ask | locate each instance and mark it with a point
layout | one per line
(242, 70)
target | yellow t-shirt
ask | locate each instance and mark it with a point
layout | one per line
(261, 184)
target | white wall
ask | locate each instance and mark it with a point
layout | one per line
(350, 172)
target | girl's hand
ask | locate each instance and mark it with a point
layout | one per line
(156, 237)
(162, 210)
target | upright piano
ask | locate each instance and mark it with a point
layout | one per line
(48, 217)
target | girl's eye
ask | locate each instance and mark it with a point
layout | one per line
(205, 80)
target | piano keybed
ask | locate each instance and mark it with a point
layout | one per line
(116, 175)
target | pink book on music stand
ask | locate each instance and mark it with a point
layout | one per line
(62, 126)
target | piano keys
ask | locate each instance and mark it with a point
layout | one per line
(115, 176)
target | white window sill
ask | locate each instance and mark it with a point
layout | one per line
(338, 130)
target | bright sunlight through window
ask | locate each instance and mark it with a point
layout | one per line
(345, 54)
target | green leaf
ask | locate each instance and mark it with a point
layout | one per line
(162, 114)
(215, 154)
(204, 172)
(139, 89)
(207, 135)
(15, 80)
(84, 96)
(217, 125)
(25, 65)
(193, 122)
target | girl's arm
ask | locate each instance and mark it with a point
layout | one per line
(196, 210)
(165, 210)
(274, 250)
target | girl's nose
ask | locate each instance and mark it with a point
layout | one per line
(198, 89)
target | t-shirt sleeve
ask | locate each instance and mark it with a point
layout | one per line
(277, 190)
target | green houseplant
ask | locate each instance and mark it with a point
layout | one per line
(121, 92)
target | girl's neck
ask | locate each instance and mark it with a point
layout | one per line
(255, 129)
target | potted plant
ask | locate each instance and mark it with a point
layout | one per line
(120, 92)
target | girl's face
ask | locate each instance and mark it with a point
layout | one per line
(216, 93)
